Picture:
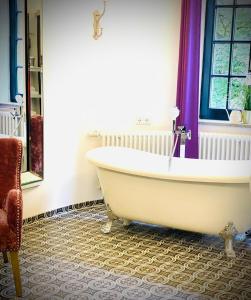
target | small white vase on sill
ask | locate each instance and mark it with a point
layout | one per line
(246, 116)
(235, 117)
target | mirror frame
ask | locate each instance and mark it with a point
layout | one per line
(24, 115)
(29, 122)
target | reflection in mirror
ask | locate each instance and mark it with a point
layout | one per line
(12, 72)
(21, 87)
(35, 85)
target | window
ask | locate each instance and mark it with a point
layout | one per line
(15, 39)
(4, 51)
(12, 73)
(11, 51)
(226, 62)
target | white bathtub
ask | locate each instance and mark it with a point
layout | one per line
(203, 196)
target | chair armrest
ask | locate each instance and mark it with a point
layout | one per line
(14, 209)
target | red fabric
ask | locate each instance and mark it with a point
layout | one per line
(4, 228)
(11, 205)
(10, 154)
(13, 209)
(37, 144)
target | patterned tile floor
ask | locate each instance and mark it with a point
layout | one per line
(67, 257)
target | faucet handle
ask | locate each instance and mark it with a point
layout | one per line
(182, 128)
(189, 134)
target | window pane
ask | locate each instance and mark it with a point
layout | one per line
(224, 2)
(243, 1)
(220, 63)
(235, 94)
(218, 92)
(240, 59)
(242, 28)
(223, 24)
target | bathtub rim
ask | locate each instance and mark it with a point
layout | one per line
(92, 154)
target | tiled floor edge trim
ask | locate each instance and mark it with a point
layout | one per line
(62, 210)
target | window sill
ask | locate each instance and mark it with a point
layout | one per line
(223, 123)
(30, 180)
(9, 105)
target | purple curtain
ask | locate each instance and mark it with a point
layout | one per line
(188, 73)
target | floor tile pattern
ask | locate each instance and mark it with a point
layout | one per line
(67, 257)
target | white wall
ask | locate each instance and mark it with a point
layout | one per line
(130, 72)
(4, 52)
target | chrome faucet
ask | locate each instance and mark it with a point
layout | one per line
(184, 135)
(179, 131)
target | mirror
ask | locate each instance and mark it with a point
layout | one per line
(34, 85)
(21, 79)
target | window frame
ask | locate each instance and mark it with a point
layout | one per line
(14, 40)
(205, 111)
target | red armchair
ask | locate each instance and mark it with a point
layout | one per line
(11, 204)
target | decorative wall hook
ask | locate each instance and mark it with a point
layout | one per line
(97, 15)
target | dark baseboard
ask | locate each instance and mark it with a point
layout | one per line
(62, 210)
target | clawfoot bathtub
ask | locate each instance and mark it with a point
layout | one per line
(205, 196)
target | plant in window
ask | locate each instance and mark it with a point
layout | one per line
(246, 97)
(246, 114)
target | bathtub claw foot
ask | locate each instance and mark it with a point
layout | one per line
(228, 234)
(106, 228)
(126, 222)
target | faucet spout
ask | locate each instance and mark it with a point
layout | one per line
(184, 135)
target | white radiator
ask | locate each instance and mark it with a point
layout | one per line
(7, 123)
(211, 145)
(155, 141)
(224, 146)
